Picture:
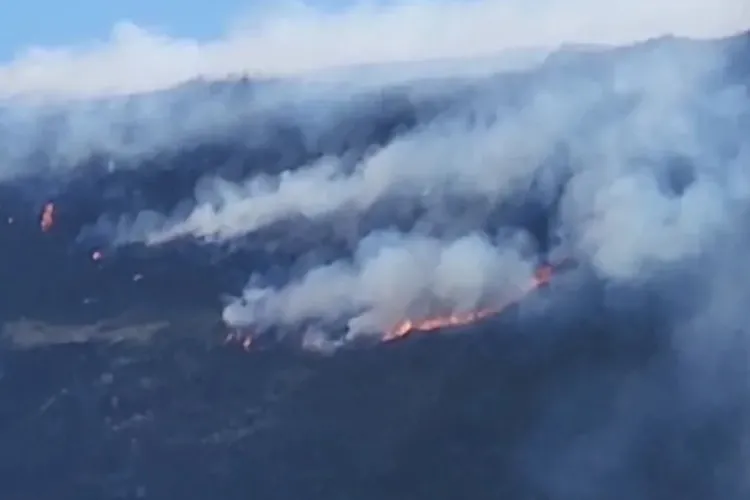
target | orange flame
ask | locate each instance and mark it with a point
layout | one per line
(542, 277)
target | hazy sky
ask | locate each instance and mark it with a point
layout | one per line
(97, 47)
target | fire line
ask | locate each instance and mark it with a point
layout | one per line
(542, 277)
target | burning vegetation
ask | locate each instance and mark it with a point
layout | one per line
(542, 277)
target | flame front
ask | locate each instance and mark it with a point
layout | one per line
(541, 277)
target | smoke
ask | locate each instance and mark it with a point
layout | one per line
(391, 277)
(635, 152)
(63, 104)
(291, 38)
(435, 161)
(636, 155)
(648, 183)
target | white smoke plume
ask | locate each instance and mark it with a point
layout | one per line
(615, 209)
(654, 162)
(486, 163)
(616, 205)
(291, 38)
(392, 277)
(65, 103)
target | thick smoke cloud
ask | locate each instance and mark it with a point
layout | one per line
(617, 140)
(619, 205)
(392, 277)
(639, 149)
(291, 38)
(294, 40)
(638, 156)
(452, 158)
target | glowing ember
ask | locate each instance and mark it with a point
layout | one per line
(237, 337)
(48, 217)
(542, 277)
(425, 325)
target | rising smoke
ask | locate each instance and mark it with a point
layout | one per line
(645, 181)
(638, 155)
(292, 38)
(392, 277)
(90, 83)
(646, 177)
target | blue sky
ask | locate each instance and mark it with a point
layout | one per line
(57, 22)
